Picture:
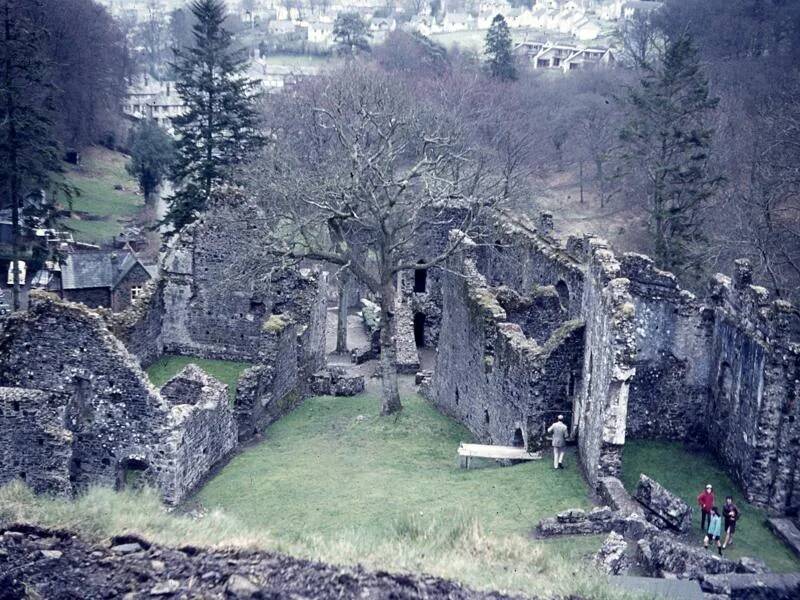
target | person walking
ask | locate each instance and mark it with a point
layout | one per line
(559, 431)
(714, 531)
(706, 501)
(730, 514)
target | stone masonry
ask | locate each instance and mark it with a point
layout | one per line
(77, 409)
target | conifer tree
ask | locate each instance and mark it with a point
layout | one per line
(666, 148)
(152, 153)
(498, 50)
(29, 150)
(220, 125)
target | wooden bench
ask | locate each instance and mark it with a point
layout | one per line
(467, 451)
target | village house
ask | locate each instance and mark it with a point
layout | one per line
(456, 21)
(154, 100)
(104, 278)
(567, 57)
(320, 32)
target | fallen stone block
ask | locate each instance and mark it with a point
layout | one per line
(787, 531)
(663, 555)
(613, 493)
(665, 508)
(754, 586)
(552, 527)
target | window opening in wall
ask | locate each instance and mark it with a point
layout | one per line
(136, 291)
(563, 293)
(457, 396)
(486, 416)
(571, 385)
(420, 279)
(419, 329)
(519, 438)
(725, 388)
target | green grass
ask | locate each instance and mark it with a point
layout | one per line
(95, 178)
(686, 473)
(227, 371)
(383, 492)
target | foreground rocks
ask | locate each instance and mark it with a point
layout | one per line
(42, 563)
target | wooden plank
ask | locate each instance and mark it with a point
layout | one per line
(496, 452)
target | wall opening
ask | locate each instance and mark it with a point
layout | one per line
(725, 390)
(457, 396)
(486, 416)
(419, 329)
(519, 438)
(420, 279)
(131, 473)
(563, 293)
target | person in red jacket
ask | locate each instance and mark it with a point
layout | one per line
(706, 502)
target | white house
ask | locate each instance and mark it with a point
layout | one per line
(456, 21)
(587, 30)
(631, 8)
(320, 32)
(566, 57)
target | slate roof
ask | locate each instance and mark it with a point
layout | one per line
(83, 270)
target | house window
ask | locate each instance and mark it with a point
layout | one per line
(136, 291)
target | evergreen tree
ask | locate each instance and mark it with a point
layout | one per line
(152, 154)
(219, 128)
(29, 150)
(498, 49)
(666, 147)
(351, 33)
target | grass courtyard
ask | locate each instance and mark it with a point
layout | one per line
(686, 473)
(227, 371)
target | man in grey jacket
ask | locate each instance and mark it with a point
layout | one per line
(559, 431)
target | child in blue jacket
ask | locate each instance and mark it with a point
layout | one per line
(714, 530)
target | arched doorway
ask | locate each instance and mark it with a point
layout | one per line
(420, 279)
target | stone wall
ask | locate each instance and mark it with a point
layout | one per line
(269, 389)
(212, 310)
(34, 444)
(139, 326)
(103, 417)
(203, 428)
(602, 408)
(504, 386)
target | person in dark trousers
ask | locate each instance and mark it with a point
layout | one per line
(730, 513)
(706, 501)
(714, 531)
(559, 431)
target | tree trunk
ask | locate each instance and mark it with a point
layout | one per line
(390, 395)
(341, 323)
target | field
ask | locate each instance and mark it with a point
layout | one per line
(100, 211)
(227, 371)
(686, 473)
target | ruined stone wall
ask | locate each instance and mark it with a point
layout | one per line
(102, 412)
(139, 326)
(91, 297)
(270, 389)
(212, 309)
(519, 256)
(669, 391)
(753, 414)
(203, 432)
(489, 375)
(601, 412)
(35, 447)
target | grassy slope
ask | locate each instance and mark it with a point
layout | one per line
(227, 371)
(100, 170)
(686, 473)
(389, 493)
(381, 492)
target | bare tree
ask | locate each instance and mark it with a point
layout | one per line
(360, 166)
